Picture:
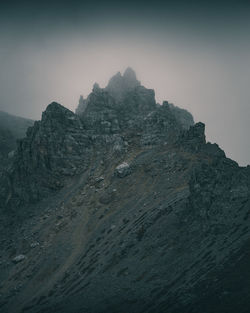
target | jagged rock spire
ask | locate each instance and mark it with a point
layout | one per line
(81, 105)
(130, 76)
(81, 100)
(96, 87)
(119, 84)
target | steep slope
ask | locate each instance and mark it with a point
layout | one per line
(146, 216)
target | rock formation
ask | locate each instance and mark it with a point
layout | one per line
(119, 85)
(185, 118)
(123, 207)
(81, 106)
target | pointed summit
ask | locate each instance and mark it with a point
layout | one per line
(129, 74)
(119, 85)
(54, 108)
(81, 105)
(81, 100)
(96, 87)
(55, 113)
(117, 76)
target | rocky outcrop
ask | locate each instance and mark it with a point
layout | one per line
(182, 115)
(119, 85)
(123, 170)
(81, 106)
(19, 258)
(108, 113)
(160, 126)
(194, 138)
(54, 149)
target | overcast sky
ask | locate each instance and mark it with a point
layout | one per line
(194, 54)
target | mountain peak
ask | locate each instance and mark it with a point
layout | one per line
(81, 105)
(55, 109)
(57, 113)
(119, 84)
(96, 87)
(129, 74)
(54, 106)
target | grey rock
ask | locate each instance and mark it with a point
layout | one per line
(81, 106)
(19, 258)
(123, 170)
(34, 244)
(99, 179)
(182, 115)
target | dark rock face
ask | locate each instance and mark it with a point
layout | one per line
(183, 116)
(194, 138)
(53, 149)
(124, 209)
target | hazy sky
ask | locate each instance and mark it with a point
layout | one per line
(193, 53)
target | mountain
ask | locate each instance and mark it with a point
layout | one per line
(123, 207)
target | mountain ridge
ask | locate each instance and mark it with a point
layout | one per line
(123, 207)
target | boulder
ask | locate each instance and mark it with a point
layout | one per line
(19, 258)
(123, 170)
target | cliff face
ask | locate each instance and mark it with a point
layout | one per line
(123, 208)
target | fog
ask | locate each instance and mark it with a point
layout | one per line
(196, 57)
